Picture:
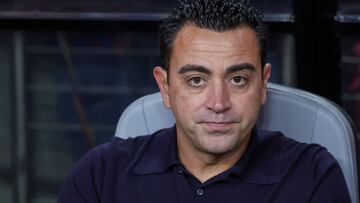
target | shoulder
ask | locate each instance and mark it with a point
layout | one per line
(116, 154)
(289, 150)
(122, 151)
(99, 167)
(290, 157)
(292, 152)
(119, 147)
(307, 166)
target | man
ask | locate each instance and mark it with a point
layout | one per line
(214, 80)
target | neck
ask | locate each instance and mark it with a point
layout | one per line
(205, 165)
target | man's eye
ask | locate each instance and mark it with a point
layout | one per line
(196, 81)
(238, 81)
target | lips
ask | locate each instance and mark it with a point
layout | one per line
(218, 126)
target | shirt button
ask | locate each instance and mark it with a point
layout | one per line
(181, 171)
(200, 192)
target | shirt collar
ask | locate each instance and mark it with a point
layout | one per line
(258, 165)
(160, 153)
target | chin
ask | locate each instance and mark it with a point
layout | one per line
(218, 147)
(221, 143)
(217, 151)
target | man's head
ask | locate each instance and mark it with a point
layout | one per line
(215, 82)
(216, 15)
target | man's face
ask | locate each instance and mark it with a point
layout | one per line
(215, 87)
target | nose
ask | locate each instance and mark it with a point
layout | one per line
(218, 98)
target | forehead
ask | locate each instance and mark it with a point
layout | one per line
(209, 48)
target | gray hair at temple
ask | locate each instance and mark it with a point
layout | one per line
(216, 15)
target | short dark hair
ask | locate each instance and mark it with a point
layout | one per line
(216, 15)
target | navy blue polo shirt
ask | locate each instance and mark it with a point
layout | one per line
(274, 168)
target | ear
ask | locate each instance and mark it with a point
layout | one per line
(266, 76)
(161, 78)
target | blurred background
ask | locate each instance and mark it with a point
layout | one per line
(69, 68)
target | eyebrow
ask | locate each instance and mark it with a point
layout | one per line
(196, 68)
(240, 67)
(202, 69)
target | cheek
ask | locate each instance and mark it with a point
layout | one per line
(249, 104)
(256, 103)
(178, 100)
(186, 105)
(182, 110)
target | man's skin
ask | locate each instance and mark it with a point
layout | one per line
(215, 88)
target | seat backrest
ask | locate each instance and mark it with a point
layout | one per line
(298, 114)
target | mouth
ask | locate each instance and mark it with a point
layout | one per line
(218, 126)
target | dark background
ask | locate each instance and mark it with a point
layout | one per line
(69, 68)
